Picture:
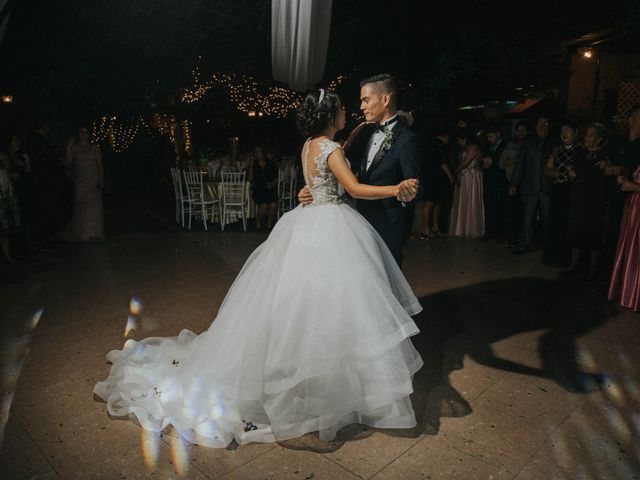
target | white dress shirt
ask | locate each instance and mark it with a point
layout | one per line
(377, 139)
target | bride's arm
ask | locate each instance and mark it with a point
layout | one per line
(340, 168)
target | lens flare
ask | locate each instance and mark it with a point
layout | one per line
(585, 360)
(135, 306)
(613, 391)
(150, 443)
(618, 426)
(35, 319)
(131, 325)
(179, 454)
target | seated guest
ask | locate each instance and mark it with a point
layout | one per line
(263, 175)
(557, 168)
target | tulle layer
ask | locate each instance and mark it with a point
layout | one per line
(312, 336)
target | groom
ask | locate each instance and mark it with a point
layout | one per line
(385, 151)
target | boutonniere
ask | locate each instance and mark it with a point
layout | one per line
(387, 141)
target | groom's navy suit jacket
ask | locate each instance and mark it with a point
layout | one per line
(403, 160)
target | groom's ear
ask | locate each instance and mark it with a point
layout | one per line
(386, 100)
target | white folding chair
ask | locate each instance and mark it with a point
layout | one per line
(198, 198)
(233, 197)
(286, 187)
(181, 199)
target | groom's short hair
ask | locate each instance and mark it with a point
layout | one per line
(385, 83)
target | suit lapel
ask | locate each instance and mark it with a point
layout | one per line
(381, 153)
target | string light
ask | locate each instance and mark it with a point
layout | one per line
(247, 96)
(244, 91)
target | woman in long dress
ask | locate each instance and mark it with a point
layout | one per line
(625, 279)
(87, 221)
(313, 334)
(467, 211)
(587, 207)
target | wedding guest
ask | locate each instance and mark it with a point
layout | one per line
(20, 174)
(558, 166)
(513, 206)
(9, 210)
(529, 179)
(494, 183)
(437, 183)
(85, 159)
(467, 212)
(588, 200)
(624, 287)
(48, 175)
(625, 157)
(263, 175)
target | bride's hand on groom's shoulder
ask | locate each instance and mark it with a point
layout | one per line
(406, 117)
(354, 133)
(304, 196)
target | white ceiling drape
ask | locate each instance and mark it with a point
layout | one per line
(299, 40)
(4, 17)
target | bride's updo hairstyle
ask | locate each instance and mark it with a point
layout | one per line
(319, 109)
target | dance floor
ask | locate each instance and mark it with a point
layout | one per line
(527, 375)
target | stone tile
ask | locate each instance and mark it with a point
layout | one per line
(37, 406)
(216, 462)
(430, 459)
(564, 458)
(473, 378)
(75, 442)
(599, 421)
(504, 441)
(288, 464)
(135, 463)
(20, 457)
(44, 367)
(541, 399)
(367, 451)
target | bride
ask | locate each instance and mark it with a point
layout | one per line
(313, 335)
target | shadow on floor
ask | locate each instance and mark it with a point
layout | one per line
(468, 320)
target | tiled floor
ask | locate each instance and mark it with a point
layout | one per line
(503, 338)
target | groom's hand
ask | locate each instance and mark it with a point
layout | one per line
(408, 190)
(305, 197)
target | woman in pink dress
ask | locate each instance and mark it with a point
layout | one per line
(625, 279)
(87, 222)
(467, 211)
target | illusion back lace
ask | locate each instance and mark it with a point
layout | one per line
(318, 176)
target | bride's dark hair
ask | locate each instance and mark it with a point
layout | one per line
(317, 112)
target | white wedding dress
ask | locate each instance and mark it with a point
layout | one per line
(313, 335)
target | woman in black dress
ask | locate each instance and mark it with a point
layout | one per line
(263, 175)
(438, 182)
(588, 200)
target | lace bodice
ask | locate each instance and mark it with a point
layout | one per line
(318, 176)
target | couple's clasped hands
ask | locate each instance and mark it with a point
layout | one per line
(406, 191)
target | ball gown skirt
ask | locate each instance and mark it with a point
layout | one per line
(313, 335)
